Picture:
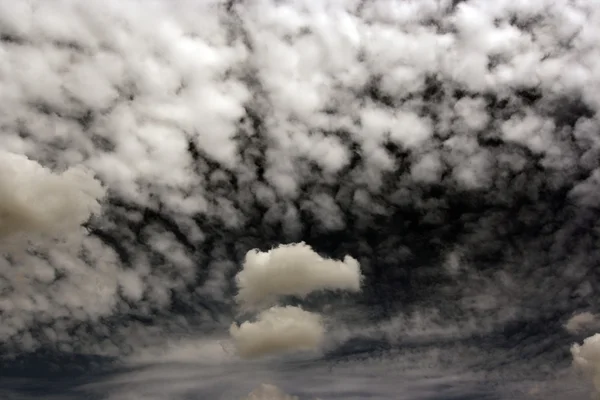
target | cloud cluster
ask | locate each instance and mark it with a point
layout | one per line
(41, 218)
(288, 270)
(451, 147)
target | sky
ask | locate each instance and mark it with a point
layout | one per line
(179, 177)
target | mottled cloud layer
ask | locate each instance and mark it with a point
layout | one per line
(450, 148)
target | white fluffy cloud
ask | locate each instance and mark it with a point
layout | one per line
(294, 269)
(34, 200)
(288, 270)
(278, 329)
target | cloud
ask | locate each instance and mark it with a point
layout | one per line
(582, 321)
(41, 213)
(397, 132)
(276, 330)
(294, 269)
(269, 392)
(586, 357)
(36, 200)
(287, 270)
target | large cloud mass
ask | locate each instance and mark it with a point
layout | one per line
(451, 148)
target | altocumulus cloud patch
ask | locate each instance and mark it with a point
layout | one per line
(450, 148)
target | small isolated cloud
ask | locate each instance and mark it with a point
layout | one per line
(580, 322)
(295, 270)
(278, 329)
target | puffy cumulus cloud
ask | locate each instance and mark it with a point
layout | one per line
(587, 358)
(287, 270)
(276, 330)
(398, 132)
(36, 200)
(294, 269)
